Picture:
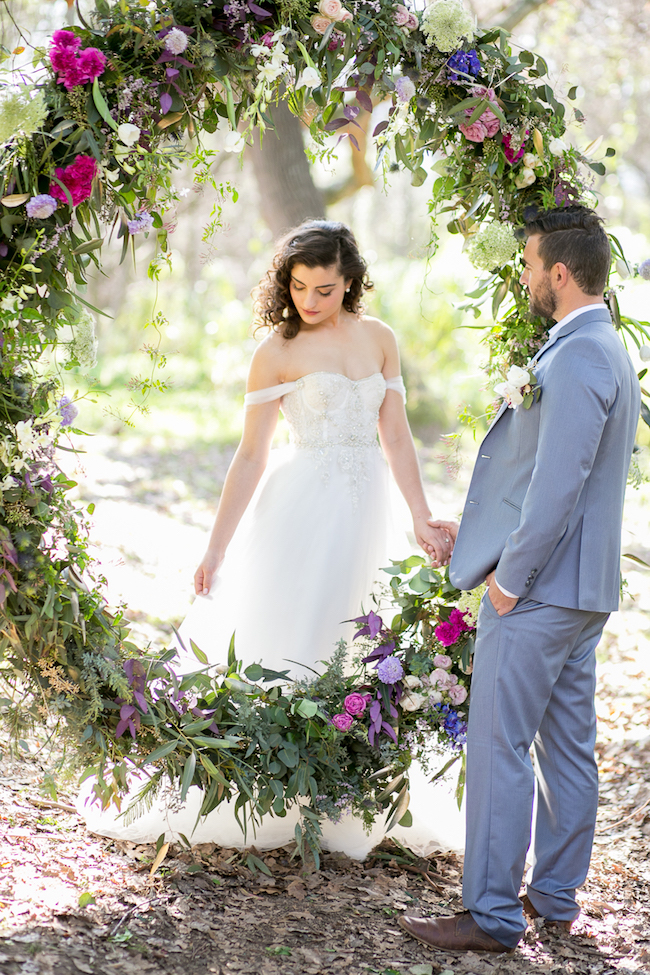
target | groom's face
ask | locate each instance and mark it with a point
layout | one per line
(534, 277)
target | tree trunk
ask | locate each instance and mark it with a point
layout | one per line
(287, 192)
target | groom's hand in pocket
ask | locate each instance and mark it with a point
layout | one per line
(502, 604)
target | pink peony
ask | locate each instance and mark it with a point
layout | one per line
(457, 694)
(401, 16)
(447, 633)
(320, 24)
(355, 703)
(343, 722)
(442, 660)
(413, 22)
(78, 178)
(440, 678)
(73, 66)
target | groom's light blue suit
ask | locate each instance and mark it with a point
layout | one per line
(544, 509)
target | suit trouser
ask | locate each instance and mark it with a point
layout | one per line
(533, 684)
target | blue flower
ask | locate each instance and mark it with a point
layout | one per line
(390, 670)
(466, 62)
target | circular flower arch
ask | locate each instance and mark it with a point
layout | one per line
(90, 143)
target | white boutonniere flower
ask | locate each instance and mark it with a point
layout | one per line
(520, 388)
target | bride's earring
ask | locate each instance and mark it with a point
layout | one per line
(347, 291)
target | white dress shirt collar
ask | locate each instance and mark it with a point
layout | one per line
(574, 314)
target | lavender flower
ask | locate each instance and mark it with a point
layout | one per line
(41, 206)
(390, 670)
(405, 89)
(68, 411)
(142, 222)
(644, 269)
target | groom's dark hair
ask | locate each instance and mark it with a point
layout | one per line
(573, 236)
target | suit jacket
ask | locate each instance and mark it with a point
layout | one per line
(545, 503)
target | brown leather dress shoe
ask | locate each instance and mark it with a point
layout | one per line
(457, 933)
(531, 911)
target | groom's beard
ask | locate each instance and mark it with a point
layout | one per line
(544, 301)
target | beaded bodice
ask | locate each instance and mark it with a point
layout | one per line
(333, 418)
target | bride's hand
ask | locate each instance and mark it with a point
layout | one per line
(436, 542)
(450, 527)
(205, 574)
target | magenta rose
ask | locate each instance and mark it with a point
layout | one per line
(355, 703)
(343, 721)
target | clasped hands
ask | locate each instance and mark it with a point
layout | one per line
(437, 539)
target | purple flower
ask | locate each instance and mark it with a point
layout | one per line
(456, 618)
(644, 269)
(4, 250)
(355, 703)
(68, 411)
(390, 670)
(405, 89)
(142, 221)
(374, 624)
(343, 721)
(41, 206)
(565, 194)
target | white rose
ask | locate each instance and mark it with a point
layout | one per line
(518, 376)
(435, 697)
(557, 147)
(234, 142)
(644, 353)
(410, 701)
(525, 178)
(128, 134)
(412, 681)
(531, 161)
(309, 78)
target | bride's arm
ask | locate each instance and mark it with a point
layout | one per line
(398, 447)
(244, 473)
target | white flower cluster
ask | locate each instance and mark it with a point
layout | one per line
(492, 247)
(273, 62)
(21, 112)
(434, 688)
(446, 24)
(83, 346)
(469, 604)
(18, 451)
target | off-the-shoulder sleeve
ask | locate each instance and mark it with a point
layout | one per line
(267, 395)
(397, 383)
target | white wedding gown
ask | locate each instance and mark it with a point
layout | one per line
(302, 562)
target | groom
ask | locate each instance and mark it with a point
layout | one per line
(542, 526)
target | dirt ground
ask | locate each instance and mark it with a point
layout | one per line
(72, 902)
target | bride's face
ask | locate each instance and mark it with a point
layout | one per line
(317, 292)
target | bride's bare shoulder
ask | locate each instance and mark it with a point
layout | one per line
(382, 332)
(267, 364)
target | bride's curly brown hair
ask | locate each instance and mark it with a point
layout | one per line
(315, 243)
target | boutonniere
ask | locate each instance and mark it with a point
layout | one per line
(520, 387)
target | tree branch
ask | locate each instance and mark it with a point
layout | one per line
(513, 13)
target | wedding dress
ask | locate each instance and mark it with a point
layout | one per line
(302, 562)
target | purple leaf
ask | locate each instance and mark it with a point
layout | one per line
(364, 99)
(165, 102)
(121, 728)
(354, 141)
(389, 730)
(10, 581)
(141, 701)
(332, 126)
(259, 12)
(3, 593)
(351, 111)
(380, 128)
(172, 72)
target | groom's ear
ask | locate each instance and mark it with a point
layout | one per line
(560, 275)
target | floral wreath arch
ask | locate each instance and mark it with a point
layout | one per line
(91, 140)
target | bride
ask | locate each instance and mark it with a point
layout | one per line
(299, 540)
